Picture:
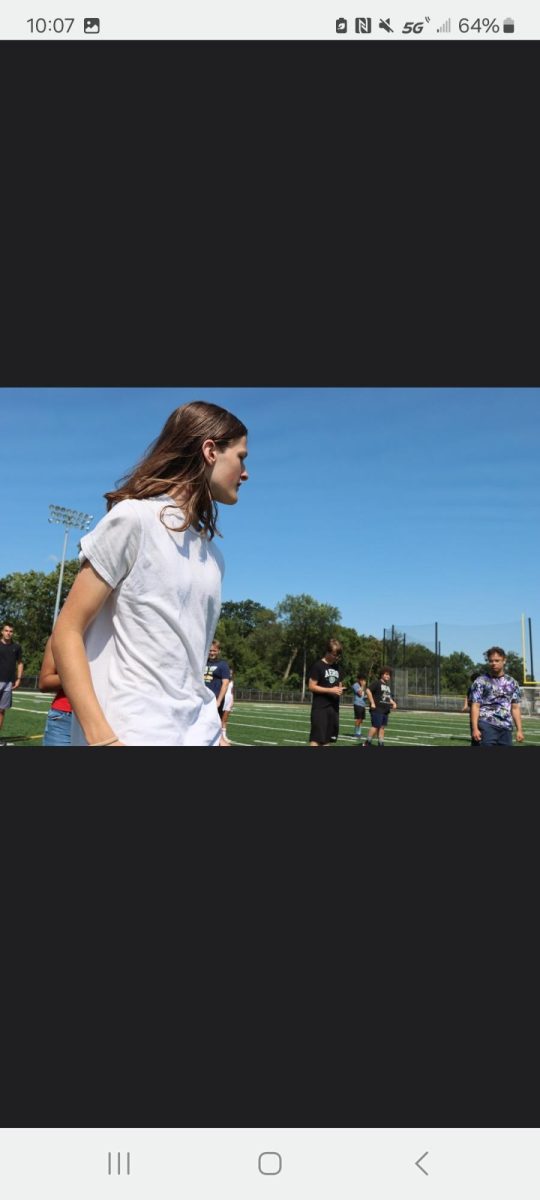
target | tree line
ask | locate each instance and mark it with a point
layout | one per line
(271, 649)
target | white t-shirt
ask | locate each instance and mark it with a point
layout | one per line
(147, 647)
(228, 701)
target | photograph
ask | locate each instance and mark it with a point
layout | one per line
(279, 567)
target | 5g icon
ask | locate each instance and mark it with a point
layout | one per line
(363, 24)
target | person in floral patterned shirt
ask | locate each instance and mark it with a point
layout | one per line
(495, 704)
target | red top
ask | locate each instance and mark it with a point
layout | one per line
(61, 701)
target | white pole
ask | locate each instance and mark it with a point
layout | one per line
(60, 577)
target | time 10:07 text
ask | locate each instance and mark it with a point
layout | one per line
(54, 24)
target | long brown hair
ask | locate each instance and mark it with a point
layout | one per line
(175, 457)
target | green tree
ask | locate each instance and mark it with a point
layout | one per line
(307, 626)
(456, 670)
(250, 640)
(27, 599)
(247, 615)
(514, 665)
(361, 653)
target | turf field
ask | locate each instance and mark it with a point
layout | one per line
(288, 725)
(280, 725)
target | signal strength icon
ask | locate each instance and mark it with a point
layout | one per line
(445, 28)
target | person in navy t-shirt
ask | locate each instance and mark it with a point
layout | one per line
(217, 675)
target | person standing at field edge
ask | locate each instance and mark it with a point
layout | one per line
(495, 703)
(227, 708)
(151, 564)
(360, 701)
(467, 702)
(11, 669)
(325, 684)
(217, 675)
(60, 715)
(381, 702)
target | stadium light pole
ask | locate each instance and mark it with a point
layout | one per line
(70, 518)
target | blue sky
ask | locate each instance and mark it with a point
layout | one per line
(399, 506)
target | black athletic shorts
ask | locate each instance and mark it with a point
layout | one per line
(324, 725)
(359, 712)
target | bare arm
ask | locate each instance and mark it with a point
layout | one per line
(86, 598)
(20, 669)
(328, 691)
(223, 691)
(516, 716)
(49, 679)
(370, 698)
(475, 732)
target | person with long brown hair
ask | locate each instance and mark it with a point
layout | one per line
(132, 639)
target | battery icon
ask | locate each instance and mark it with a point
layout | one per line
(508, 25)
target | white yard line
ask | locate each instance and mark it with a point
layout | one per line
(18, 708)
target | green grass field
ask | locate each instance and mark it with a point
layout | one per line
(288, 725)
(280, 725)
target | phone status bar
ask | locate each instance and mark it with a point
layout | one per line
(300, 20)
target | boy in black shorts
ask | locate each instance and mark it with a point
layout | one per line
(381, 702)
(324, 683)
(360, 700)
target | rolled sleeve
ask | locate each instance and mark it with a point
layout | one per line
(112, 547)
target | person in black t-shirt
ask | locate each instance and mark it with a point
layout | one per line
(381, 703)
(11, 668)
(325, 684)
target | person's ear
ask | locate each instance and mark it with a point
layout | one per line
(209, 451)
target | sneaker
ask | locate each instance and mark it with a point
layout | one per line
(367, 742)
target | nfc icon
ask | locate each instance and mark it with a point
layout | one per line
(115, 1164)
(363, 24)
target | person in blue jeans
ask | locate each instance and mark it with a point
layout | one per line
(59, 716)
(495, 703)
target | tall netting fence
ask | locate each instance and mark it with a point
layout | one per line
(432, 664)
